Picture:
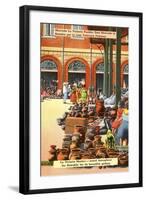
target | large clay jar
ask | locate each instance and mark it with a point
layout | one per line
(85, 155)
(52, 153)
(100, 154)
(75, 154)
(88, 144)
(62, 154)
(100, 107)
(97, 141)
(123, 160)
(92, 152)
(52, 149)
(113, 155)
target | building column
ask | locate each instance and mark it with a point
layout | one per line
(63, 70)
(105, 80)
(118, 66)
(110, 87)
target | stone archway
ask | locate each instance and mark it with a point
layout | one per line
(53, 59)
(82, 62)
(94, 71)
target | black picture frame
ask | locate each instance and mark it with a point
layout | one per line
(25, 105)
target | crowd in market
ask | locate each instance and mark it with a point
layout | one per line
(104, 118)
(87, 103)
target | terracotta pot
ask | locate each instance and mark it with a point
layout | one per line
(73, 145)
(97, 141)
(91, 151)
(90, 135)
(52, 149)
(62, 154)
(75, 154)
(85, 155)
(88, 144)
(99, 107)
(123, 160)
(113, 155)
(79, 129)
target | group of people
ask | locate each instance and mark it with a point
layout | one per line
(75, 93)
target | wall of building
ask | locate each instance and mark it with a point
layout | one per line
(65, 50)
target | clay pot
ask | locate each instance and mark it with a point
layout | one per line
(66, 144)
(52, 149)
(62, 154)
(77, 128)
(97, 141)
(85, 155)
(52, 153)
(81, 130)
(90, 135)
(113, 155)
(73, 145)
(100, 154)
(100, 107)
(67, 137)
(88, 144)
(92, 152)
(76, 137)
(75, 154)
(123, 160)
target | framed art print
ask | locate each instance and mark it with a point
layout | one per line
(80, 99)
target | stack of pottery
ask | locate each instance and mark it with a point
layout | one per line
(67, 140)
(97, 141)
(113, 153)
(123, 159)
(62, 154)
(75, 154)
(82, 131)
(52, 153)
(85, 155)
(90, 133)
(73, 145)
(100, 107)
(100, 153)
(88, 144)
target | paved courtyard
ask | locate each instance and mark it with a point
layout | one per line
(51, 133)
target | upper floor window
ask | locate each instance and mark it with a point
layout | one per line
(77, 32)
(49, 30)
(76, 66)
(49, 65)
(77, 27)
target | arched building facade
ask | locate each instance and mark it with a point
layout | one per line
(67, 59)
